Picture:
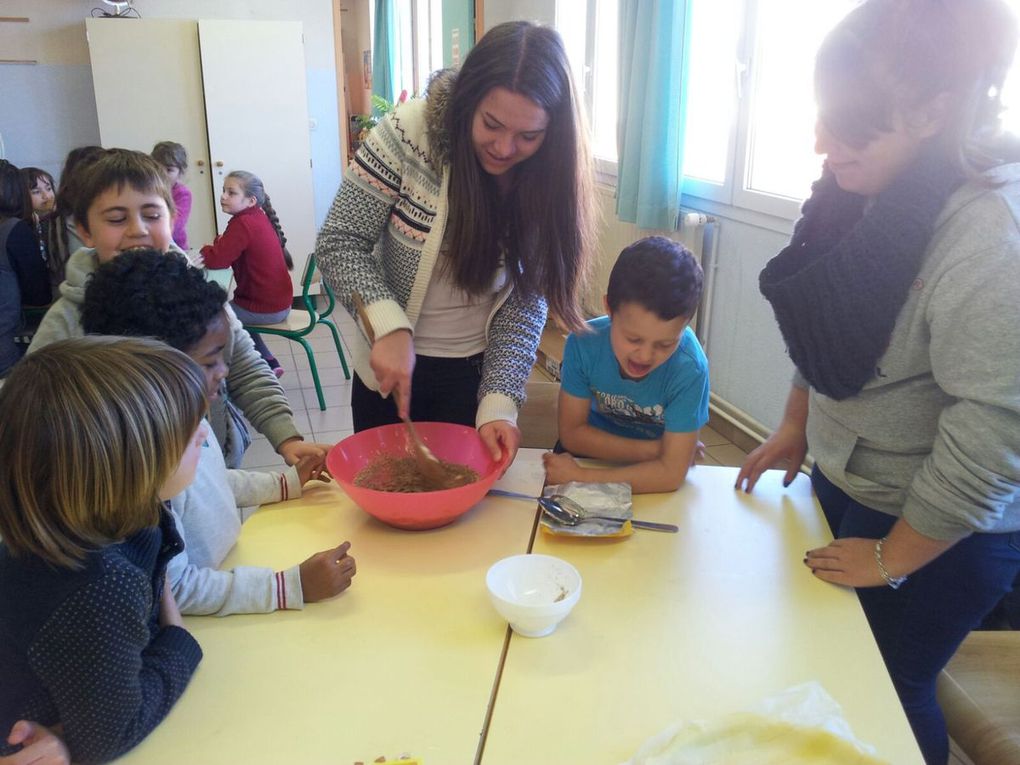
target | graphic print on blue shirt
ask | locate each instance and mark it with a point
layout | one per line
(672, 397)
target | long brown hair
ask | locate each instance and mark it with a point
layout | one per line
(898, 55)
(543, 230)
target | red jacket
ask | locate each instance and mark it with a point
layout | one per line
(251, 247)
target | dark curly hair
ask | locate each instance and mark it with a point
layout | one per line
(148, 293)
(658, 274)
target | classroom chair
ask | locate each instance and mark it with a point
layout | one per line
(301, 321)
(979, 692)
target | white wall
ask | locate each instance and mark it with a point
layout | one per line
(748, 363)
(541, 11)
(49, 108)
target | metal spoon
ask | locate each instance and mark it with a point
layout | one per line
(568, 512)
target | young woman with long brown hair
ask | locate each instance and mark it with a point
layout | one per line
(462, 217)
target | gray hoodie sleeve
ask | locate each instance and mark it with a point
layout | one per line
(973, 473)
(61, 322)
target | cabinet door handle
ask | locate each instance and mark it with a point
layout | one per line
(219, 164)
(200, 163)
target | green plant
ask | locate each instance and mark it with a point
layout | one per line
(380, 108)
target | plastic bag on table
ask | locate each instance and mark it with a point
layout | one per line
(802, 725)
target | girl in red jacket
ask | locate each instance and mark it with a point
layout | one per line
(255, 247)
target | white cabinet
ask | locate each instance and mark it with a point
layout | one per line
(232, 92)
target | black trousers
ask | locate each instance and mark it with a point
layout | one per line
(442, 390)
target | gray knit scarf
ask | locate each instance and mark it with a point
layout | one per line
(839, 285)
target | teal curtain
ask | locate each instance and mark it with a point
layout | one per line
(654, 55)
(385, 51)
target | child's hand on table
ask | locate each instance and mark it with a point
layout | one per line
(560, 468)
(310, 467)
(294, 449)
(327, 573)
(40, 746)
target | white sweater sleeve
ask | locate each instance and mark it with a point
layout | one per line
(242, 590)
(253, 488)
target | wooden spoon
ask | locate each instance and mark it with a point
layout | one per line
(431, 468)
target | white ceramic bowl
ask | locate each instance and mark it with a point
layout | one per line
(533, 592)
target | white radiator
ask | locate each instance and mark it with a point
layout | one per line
(698, 232)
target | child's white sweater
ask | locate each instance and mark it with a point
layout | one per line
(209, 514)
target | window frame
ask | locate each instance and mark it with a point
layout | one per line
(732, 191)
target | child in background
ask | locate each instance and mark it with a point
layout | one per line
(255, 247)
(151, 294)
(62, 239)
(174, 159)
(41, 190)
(24, 280)
(123, 203)
(635, 388)
(93, 641)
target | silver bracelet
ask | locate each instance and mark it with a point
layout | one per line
(893, 581)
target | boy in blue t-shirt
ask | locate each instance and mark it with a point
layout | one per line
(635, 388)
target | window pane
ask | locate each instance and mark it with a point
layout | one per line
(604, 80)
(711, 88)
(1011, 89)
(780, 152)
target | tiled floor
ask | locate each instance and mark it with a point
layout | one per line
(327, 426)
(335, 422)
(719, 450)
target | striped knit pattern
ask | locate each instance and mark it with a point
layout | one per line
(382, 238)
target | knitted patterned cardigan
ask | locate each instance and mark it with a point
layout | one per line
(382, 239)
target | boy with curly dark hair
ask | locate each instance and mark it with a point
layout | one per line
(147, 293)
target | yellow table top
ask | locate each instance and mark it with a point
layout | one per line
(692, 626)
(669, 627)
(403, 662)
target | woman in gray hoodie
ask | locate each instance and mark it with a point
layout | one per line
(899, 303)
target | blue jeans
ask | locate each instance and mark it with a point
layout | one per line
(919, 626)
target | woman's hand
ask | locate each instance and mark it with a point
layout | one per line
(392, 362)
(787, 445)
(560, 468)
(503, 439)
(40, 746)
(851, 561)
(169, 614)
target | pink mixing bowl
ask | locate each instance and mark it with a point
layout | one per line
(418, 510)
